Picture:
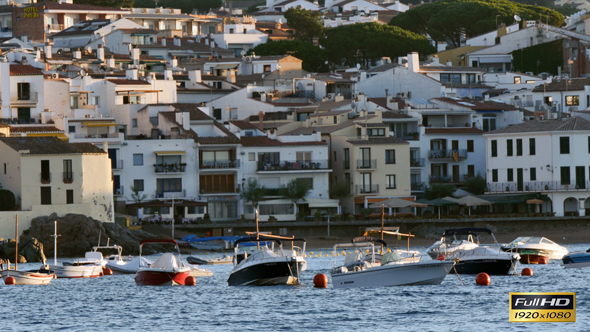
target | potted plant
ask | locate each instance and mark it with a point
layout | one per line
(337, 217)
(317, 216)
(350, 218)
(301, 216)
(242, 218)
(206, 218)
(272, 219)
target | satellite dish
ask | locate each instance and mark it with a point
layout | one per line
(358, 66)
(243, 53)
(517, 18)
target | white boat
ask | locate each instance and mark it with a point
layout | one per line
(483, 259)
(576, 259)
(120, 266)
(363, 270)
(89, 267)
(536, 245)
(213, 261)
(449, 242)
(198, 272)
(168, 270)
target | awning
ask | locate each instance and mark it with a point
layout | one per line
(99, 124)
(321, 203)
(276, 201)
(168, 203)
(226, 66)
(61, 136)
(370, 200)
(169, 153)
(494, 59)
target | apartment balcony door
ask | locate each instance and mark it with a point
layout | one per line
(366, 182)
(580, 177)
(365, 158)
(519, 180)
(113, 157)
(456, 174)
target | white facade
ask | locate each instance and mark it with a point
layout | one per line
(238, 37)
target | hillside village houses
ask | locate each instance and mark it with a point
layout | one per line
(171, 107)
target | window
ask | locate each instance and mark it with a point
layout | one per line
(276, 209)
(376, 132)
(470, 146)
(68, 175)
(138, 185)
(217, 114)
(347, 158)
(267, 68)
(572, 101)
(471, 79)
(366, 182)
(365, 161)
(24, 115)
(509, 147)
(197, 209)
(45, 174)
(70, 196)
(390, 182)
(245, 31)
(134, 123)
(73, 102)
(532, 148)
(516, 79)
(131, 100)
(470, 171)
(390, 156)
(510, 175)
(347, 178)
(4, 168)
(334, 155)
(565, 175)
(564, 145)
(45, 195)
(335, 119)
(24, 91)
(96, 101)
(168, 185)
(308, 181)
(494, 148)
(137, 159)
(494, 175)
(450, 78)
(271, 158)
(533, 174)
(519, 147)
(231, 31)
(71, 129)
(489, 122)
(251, 156)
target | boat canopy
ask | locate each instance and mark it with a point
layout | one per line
(194, 238)
(466, 231)
(368, 239)
(254, 239)
(158, 241)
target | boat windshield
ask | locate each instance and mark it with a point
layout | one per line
(547, 241)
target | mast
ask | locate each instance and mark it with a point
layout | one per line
(16, 238)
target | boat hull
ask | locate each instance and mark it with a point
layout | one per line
(215, 261)
(530, 258)
(83, 271)
(420, 273)
(160, 278)
(551, 254)
(266, 274)
(29, 277)
(576, 260)
(489, 266)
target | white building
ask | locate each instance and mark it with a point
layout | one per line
(239, 37)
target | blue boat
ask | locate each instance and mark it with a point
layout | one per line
(215, 243)
(576, 259)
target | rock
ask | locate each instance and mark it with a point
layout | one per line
(431, 237)
(29, 251)
(79, 233)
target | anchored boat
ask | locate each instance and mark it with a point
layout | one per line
(168, 270)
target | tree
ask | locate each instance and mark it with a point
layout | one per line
(253, 192)
(439, 191)
(447, 20)
(306, 23)
(364, 43)
(312, 56)
(295, 190)
(476, 185)
(7, 200)
(339, 191)
(136, 196)
(106, 3)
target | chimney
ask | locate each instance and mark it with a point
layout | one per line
(272, 134)
(77, 54)
(111, 62)
(135, 52)
(263, 97)
(131, 74)
(363, 76)
(413, 62)
(261, 119)
(105, 146)
(163, 41)
(449, 63)
(168, 74)
(177, 41)
(173, 62)
(435, 60)
(37, 54)
(212, 44)
(186, 120)
(231, 76)
(207, 41)
(194, 76)
(24, 38)
(48, 51)
(100, 53)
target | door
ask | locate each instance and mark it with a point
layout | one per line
(519, 180)
(117, 184)
(113, 158)
(45, 195)
(365, 158)
(456, 175)
(366, 182)
(45, 174)
(580, 177)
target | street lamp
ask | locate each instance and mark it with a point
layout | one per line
(173, 201)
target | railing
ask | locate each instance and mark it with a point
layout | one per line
(416, 162)
(32, 97)
(447, 154)
(117, 164)
(289, 165)
(220, 164)
(537, 186)
(218, 190)
(111, 135)
(418, 185)
(55, 27)
(169, 168)
(170, 194)
(451, 178)
(118, 191)
(45, 178)
(68, 177)
(362, 189)
(366, 163)
(272, 192)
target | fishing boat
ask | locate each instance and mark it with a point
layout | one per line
(213, 261)
(266, 265)
(536, 245)
(576, 259)
(455, 239)
(168, 270)
(42, 276)
(90, 267)
(362, 269)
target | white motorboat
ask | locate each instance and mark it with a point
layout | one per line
(168, 270)
(483, 259)
(265, 265)
(198, 272)
(536, 245)
(89, 267)
(363, 270)
(120, 266)
(576, 259)
(449, 242)
(213, 261)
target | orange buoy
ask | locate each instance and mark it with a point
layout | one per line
(543, 260)
(10, 281)
(482, 279)
(527, 271)
(320, 281)
(441, 257)
(107, 272)
(190, 281)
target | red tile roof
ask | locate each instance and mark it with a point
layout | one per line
(244, 124)
(18, 70)
(31, 129)
(265, 141)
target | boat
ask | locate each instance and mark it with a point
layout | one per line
(531, 257)
(408, 256)
(216, 243)
(213, 261)
(576, 259)
(168, 270)
(80, 269)
(536, 245)
(198, 272)
(449, 242)
(266, 266)
(364, 270)
(119, 266)
(483, 259)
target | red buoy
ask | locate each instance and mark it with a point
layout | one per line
(527, 272)
(543, 260)
(482, 279)
(107, 272)
(441, 257)
(190, 281)
(10, 281)
(320, 281)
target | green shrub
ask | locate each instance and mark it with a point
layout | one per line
(7, 200)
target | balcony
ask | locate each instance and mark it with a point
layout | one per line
(117, 164)
(45, 178)
(363, 189)
(170, 194)
(218, 189)
(24, 100)
(366, 164)
(418, 186)
(417, 162)
(54, 27)
(537, 186)
(272, 192)
(118, 191)
(111, 135)
(291, 165)
(447, 154)
(228, 164)
(68, 177)
(169, 168)
(451, 178)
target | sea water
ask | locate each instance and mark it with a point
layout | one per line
(115, 303)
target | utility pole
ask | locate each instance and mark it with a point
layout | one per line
(173, 212)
